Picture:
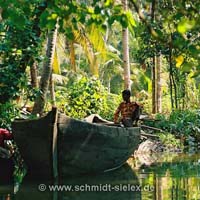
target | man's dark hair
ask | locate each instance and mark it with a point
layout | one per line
(127, 92)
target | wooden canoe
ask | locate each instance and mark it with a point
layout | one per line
(35, 140)
(57, 145)
(90, 148)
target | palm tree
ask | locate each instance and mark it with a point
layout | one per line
(47, 72)
(92, 43)
(125, 43)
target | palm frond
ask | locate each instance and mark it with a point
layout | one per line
(56, 64)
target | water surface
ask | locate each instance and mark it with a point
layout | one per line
(158, 176)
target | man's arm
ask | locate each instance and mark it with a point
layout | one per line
(116, 115)
(136, 112)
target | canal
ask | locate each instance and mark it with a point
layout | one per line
(162, 176)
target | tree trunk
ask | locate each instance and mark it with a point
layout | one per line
(125, 43)
(154, 91)
(52, 91)
(159, 89)
(47, 70)
(33, 71)
(154, 67)
(72, 56)
(109, 79)
(171, 75)
(36, 29)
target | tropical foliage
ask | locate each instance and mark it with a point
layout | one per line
(8, 112)
(84, 97)
(90, 43)
(183, 124)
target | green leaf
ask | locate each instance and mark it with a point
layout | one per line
(97, 10)
(16, 18)
(43, 19)
(196, 74)
(186, 67)
(69, 33)
(124, 21)
(130, 18)
(185, 25)
(194, 50)
(108, 3)
(5, 14)
(90, 10)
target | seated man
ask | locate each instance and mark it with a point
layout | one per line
(129, 111)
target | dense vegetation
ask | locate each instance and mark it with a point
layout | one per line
(80, 43)
(86, 96)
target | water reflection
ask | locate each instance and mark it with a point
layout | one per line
(174, 176)
(104, 186)
(169, 176)
(116, 186)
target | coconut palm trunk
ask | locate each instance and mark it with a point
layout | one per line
(159, 85)
(33, 74)
(154, 89)
(125, 43)
(52, 91)
(46, 73)
(72, 56)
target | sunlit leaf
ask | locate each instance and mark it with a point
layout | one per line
(130, 18)
(185, 25)
(108, 3)
(19, 52)
(179, 61)
(52, 16)
(90, 10)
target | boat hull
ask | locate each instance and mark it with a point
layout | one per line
(91, 148)
(34, 139)
(57, 145)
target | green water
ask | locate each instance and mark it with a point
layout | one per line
(159, 176)
(174, 176)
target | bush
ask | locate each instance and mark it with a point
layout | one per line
(180, 122)
(112, 101)
(170, 141)
(8, 112)
(84, 97)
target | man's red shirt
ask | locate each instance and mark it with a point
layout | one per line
(125, 109)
